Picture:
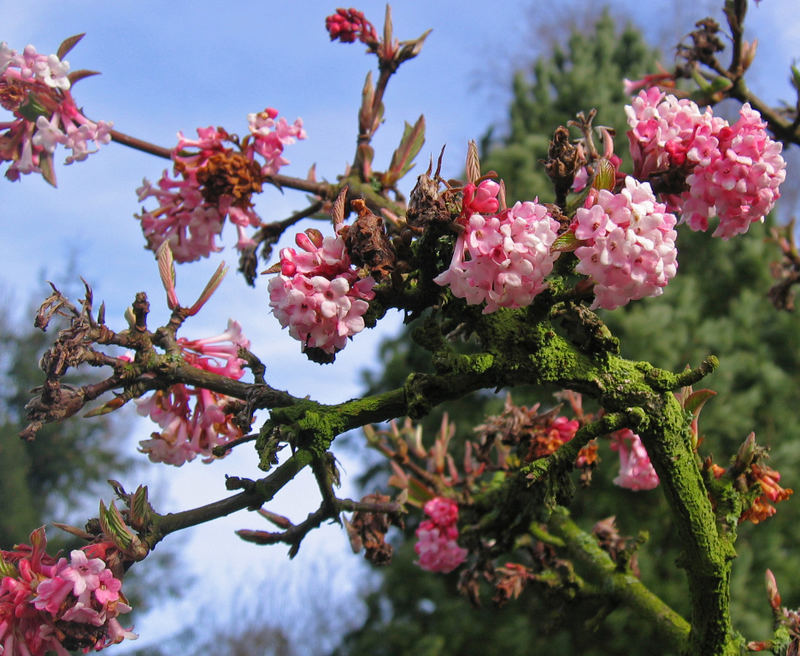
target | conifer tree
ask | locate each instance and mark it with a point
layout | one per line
(730, 315)
(51, 475)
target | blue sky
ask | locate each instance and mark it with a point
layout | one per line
(176, 66)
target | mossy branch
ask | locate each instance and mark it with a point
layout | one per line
(622, 586)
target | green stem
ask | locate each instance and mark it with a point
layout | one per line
(622, 586)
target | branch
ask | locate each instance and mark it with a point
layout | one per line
(785, 130)
(622, 586)
(140, 144)
(256, 494)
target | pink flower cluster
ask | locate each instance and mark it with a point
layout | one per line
(501, 259)
(191, 430)
(732, 172)
(52, 606)
(35, 89)
(635, 469)
(318, 293)
(628, 244)
(215, 177)
(437, 548)
(347, 25)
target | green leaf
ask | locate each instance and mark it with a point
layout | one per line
(403, 156)
(795, 78)
(114, 527)
(7, 569)
(565, 242)
(140, 507)
(696, 400)
(605, 177)
(32, 109)
(46, 166)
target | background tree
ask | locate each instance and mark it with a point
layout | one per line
(730, 315)
(51, 477)
(59, 476)
(585, 74)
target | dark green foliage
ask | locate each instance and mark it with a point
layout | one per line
(44, 480)
(587, 74)
(717, 304)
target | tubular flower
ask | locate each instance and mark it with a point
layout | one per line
(318, 293)
(546, 441)
(215, 178)
(195, 420)
(437, 548)
(767, 479)
(502, 260)
(628, 244)
(36, 90)
(52, 606)
(732, 172)
(480, 199)
(635, 469)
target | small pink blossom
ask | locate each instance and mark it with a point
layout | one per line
(183, 218)
(270, 137)
(437, 545)
(44, 601)
(318, 295)
(82, 572)
(209, 353)
(503, 260)
(635, 469)
(566, 428)
(36, 84)
(628, 244)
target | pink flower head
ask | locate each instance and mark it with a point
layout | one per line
(628, 244)
(503, 260)
(742, 184)
(318, 295)
(635, 469)
(437, 547)
(347, 25)
(36, 90)
(46, 605)
(195, 420)
(731, 172)
(215, 178)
